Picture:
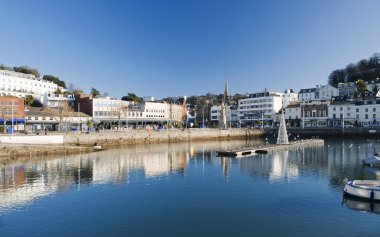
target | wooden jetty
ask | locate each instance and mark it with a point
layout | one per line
(245, 151)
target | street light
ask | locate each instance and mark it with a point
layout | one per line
(4, 123)
(12, 119)
(78, 117)
(203, 117)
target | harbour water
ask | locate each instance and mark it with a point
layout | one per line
(186, 190)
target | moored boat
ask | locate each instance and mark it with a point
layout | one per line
(372, 161)
(365, 189)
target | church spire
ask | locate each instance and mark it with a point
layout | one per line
(226, 96)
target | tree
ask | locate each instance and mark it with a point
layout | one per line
(363, 65)
(29, 100)
(58, 91)
(55, 80)
(27, 70)
(74, 89)
(337, 76)
(375, 89)
(77, 91)
(94, 92)
(2, 67)
(132, 97)
(351, 69)
(361, 86)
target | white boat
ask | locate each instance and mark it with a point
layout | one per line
(372, 161)
(366, 189)
(97, 147)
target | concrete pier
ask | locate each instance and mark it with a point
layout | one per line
(240, 152)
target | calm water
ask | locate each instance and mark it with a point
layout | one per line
(185, 190)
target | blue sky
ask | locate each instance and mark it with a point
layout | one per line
(166, 48)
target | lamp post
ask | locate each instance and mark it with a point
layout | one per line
(78, 117)
(4, 122)
(12, 119)
(343, 120)
(203, 117)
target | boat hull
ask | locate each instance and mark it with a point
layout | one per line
(372, 161)
(369, 190)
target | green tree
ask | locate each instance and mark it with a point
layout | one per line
(337, 76)
(361, 86)
(375, 89)
(132, 97)
(58, 91)
(94, 92)
(2, 67)
(29, 100)
(55, 80)
(27, 70)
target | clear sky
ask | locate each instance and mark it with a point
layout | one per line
(166, 48)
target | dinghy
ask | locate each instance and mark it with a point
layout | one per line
(365, 189)
(372, 161)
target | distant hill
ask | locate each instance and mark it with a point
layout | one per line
(365, 69)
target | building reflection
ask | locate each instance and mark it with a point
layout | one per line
(285, 166)
(23, 181)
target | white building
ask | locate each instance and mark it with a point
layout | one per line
(343, 110)
(231, 114)
(20, 85)
(108, 108)
(289, 97)
(293, 112)
(149, 99)
(58, 101)
(347, 88)
(259, 106)
(326, 92)
(306, 94)
(363, 113)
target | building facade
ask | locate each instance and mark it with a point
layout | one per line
(231, 115)
(20, 85)
(12, 110)
(289, 97)
(259, 107)
(326, 92)
(306, 94)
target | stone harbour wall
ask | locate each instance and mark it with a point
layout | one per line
(156, 136)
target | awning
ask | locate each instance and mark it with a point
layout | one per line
(15, 120)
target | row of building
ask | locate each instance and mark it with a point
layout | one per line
(321, 106)
(63, 111)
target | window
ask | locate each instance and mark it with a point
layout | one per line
(366, 109)
(373, 109)
(366, 116)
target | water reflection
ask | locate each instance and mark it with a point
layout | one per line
(359, 205)
(23, 181)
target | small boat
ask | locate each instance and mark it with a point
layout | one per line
(364, 189)
(372, 161)
(97, 147)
